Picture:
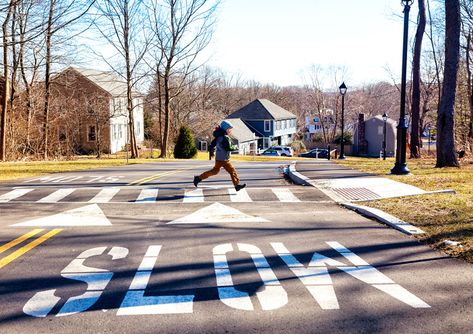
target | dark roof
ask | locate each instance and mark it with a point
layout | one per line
(262, 109)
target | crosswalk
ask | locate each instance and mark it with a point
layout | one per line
(152, 195)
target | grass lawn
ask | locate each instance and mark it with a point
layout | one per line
(441, 216)
(15, 170)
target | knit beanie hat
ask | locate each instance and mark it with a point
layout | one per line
(226, 125)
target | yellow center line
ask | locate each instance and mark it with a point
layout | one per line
(159, 175)
(16, 254)
(18, 240)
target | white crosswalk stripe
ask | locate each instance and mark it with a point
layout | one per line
(239, 196)
(14, 194)
(147, 195)
(105, 195)
(150, 195)
(57, 195)
(193, 196)
(285, 195)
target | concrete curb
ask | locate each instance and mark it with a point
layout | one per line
(377, 214)
(300, 179)
(297, 177)
(384, 217)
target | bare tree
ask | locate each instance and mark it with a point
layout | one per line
(10, 9)
(446, 153)
(61, 13)
(467, 25)
(182, 29)
(122, 24)
(416, 83)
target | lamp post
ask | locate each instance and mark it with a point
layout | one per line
(400, 167)
(343, 90)
(385, 118)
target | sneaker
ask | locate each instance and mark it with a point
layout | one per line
(239, 187)
(196, 180)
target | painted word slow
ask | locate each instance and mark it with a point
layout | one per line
(314, 276)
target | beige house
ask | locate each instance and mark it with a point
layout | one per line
(92, 109)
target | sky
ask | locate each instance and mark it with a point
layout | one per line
(276, 41)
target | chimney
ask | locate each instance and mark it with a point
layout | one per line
(362, 142)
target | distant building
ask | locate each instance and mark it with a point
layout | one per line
(270, 123)
(95, 103)
(368, 136)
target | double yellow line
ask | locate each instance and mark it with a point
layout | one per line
(19, 252)
(157, 176)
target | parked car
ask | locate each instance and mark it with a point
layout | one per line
(271, 152)
(286, 151)
(315, 153)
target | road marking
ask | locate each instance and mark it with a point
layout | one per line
(147, 195)
(96, 279)
(19, 240)
(135, 301)
(57, 195)
(317, 280)
(89, 215)
(14, 194)
(285, 195)
(239, 196)
(193, 196)
(218, 213)
(105, 195)
(159, 175)
(16, 254)
(272, 297)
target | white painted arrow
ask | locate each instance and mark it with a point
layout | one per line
(89, 215)
(218, 213)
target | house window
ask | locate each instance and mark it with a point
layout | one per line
(120, 132)
(278, 125)
(91, 133)
(267, 126)
(138, 128)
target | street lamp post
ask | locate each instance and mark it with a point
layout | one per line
(385, 119)
(400, 167)
(343, 90)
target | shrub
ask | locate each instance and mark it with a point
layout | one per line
(348, 138)
(298, 146)
(185, 144)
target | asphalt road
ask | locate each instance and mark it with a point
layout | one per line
(137, 249)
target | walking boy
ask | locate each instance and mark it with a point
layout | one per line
(223, 147)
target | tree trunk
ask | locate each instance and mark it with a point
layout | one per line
(6, 89)
(47, 84)
(469, 48)
(415, 121)
(167, 118)
(446, 153)
(129, 91)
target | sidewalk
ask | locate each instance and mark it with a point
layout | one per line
(345, 186)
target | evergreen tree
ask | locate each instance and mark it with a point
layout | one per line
(185, 145)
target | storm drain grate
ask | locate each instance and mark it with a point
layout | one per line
(356, 194)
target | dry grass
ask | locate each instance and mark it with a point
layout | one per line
(441, 216)
(21, 169)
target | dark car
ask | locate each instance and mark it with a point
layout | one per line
(315, 153)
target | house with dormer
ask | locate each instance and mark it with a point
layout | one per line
(270, 123)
